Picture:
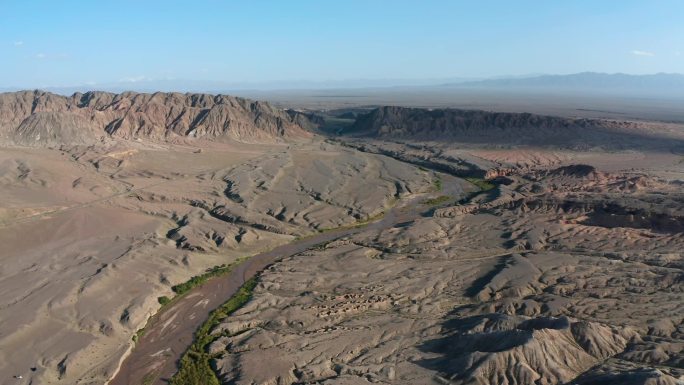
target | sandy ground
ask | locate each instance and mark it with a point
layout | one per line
(79, 221)
(570, 270)
(169, 333)
(68, 244)
(567, 274)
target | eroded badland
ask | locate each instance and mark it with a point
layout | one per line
(402, 246)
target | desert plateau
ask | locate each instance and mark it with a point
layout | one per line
(403, 246)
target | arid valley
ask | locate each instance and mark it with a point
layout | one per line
(352, 192)
(389, 245)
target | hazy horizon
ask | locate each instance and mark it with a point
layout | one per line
(293, 45)
(589, 81)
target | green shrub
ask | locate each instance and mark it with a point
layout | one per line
(198, 280)
(163, 300)
(195, 365)
(481, 183)
(437, 201)
(437, 183)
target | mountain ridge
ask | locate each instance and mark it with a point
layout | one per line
(506, 128)
(43, 118)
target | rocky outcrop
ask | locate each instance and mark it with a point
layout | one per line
(499, 128)
(501, 349)
(42, 118)
(308, 120)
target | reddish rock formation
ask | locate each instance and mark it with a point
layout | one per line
(42, 118)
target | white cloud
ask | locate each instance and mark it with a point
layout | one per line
(18, 43)
(41, 56)
(678, 53)
(642, 53)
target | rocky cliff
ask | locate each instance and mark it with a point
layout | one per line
(497, 128)
(42, 118)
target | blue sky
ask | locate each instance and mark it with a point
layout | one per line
(60, 43)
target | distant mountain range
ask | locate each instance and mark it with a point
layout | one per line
(218, 87)
(661, 83)
(664, 84)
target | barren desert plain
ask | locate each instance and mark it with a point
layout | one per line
(209, 239)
